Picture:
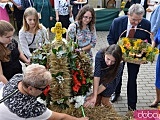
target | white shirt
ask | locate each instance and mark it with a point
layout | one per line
(26, 38)
(62, 6)
(129, 26)
(6, 114)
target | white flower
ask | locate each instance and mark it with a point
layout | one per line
(42, 101)
(60, 101)
(58, 55)
(79, 101)
(60, 78)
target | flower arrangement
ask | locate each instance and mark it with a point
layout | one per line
(137, 51)
(71, 71)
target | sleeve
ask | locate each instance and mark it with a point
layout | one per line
(56, 5)
(148, 35)
(24, 44)
(111, 38)
(45, 116)
(157, 37)
(50, 9)
(97, 69)
(93, 39)
(35, 4)
(157, 23)
(71, 2)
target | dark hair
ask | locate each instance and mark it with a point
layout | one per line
(116, 52)
(81, 13)
(5, 27)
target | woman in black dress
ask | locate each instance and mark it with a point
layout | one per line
(10, 53)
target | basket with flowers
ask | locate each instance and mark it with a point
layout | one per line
(137, 51)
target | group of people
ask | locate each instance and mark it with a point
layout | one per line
(43, 7)
(23, 88)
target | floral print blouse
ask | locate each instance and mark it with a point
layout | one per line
(84, 37)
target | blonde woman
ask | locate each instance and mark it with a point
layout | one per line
(32, 34)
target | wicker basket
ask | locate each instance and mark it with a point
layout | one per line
(133, 58)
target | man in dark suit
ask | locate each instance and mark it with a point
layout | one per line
(120, 24)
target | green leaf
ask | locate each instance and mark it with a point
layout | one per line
(54, 51)
(60, 48)
(59, 73)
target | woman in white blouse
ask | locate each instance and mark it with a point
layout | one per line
(32, 35)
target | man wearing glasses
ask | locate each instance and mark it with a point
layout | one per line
(134, 19)
(20, 97)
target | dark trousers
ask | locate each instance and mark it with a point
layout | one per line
(133, 70)
(64, 19)
(18, 14)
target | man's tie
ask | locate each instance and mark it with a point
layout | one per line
(131, 33)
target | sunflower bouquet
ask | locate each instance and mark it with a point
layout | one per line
(137, 51)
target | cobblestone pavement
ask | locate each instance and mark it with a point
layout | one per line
(145, 81)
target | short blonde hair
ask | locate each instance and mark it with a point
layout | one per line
(36, 75)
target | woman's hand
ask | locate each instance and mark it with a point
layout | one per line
(83, 118)
(90, 101)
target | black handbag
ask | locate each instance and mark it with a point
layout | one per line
(8, 9)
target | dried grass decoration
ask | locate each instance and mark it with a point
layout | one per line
(137, 51)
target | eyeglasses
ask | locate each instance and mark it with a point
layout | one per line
(42, 89)
(135, 20)
(86, 17)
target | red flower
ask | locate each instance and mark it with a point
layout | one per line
(76, 88)
(46, 91)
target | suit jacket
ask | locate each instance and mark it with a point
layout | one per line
(120, 24)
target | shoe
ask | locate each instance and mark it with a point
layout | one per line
(131, 108)
(114, 97)
(154, 105)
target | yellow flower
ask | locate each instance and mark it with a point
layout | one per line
(149, 49)
(122, 48)
(125, 40)
(123, 4)
(144, 58)
(156, 51)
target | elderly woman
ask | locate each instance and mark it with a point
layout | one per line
(22, 91)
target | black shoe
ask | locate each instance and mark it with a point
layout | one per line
(114, 97)
(131, 108)
(154, 105)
